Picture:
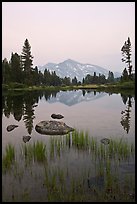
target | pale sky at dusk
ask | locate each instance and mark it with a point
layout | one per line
(87, 32)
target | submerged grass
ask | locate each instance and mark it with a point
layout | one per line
(39, 150)
(98, 181)
(34, 152)
(120, 149)
(8, 158)
(27, 153)
(80, 139)
(117, 148)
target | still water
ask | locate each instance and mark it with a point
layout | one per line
(100, 114)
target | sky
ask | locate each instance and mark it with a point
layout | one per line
(87, 32)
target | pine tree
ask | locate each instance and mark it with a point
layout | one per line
(126, 53)
(95, 78)
(47, 77)
(110, 77)
(36, 76)
(6, 72)
(125, 75)
(26, 58)
(74, 81)
(16, 69)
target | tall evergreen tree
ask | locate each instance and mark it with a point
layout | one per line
(6, 72)
(95, 78)
(47, 77)
(126, 53)
(102, 79)
(110, 77)
(124, 76)
(16, 69)
(66, 81)
(27, 60)
(41, 78)
(36, 80)
(56, 81)
(74, 81)
(88, 79)
(83, 80)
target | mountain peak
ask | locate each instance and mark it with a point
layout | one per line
(70, 61)
(71, 68)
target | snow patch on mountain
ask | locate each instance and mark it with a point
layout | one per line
(71, 68)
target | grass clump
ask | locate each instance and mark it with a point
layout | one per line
(39, 150)
(8, 158)
(35, 152)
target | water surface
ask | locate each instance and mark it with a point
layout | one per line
(99, 113)
(71, 163)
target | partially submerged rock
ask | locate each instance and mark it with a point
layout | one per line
(105, 141)
(11, 127)
(57, 116)
(52, 128)
(26, 138)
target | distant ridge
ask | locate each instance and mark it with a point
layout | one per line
(71, 68)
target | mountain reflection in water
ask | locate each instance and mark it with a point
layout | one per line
(22, 105)
(71, 98)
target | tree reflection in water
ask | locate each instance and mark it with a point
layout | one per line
(125, 119)
(28, 117)
(22, 104)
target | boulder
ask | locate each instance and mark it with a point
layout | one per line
(26, 138)
(52, 128)
(11, 127)
(57, 116)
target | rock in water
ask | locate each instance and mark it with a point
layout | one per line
(57, 116)
(105, 141)
(26, 138)
(11, 127)
(52, 128)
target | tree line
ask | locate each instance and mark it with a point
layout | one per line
(19, 69)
